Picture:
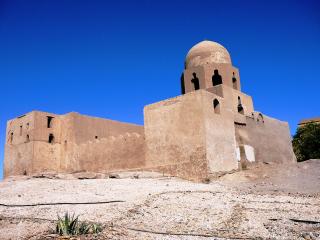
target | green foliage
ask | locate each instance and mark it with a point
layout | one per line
(306, 142)
(69, 225)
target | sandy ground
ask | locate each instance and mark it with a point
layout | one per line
(274, 203)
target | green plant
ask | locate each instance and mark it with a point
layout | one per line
(69, 225)
(96, 228)
(306, 142)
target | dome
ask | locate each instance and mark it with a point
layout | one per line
(207, 52)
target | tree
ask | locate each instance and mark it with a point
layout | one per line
(306, 142)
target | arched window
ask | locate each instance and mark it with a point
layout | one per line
(27, 138)
(260, 118)
(51, 138)
(195, 81)
(216, 78)
(234, 82)
(216, 106)
(240, 107)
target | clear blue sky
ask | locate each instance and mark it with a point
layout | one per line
(110, 58)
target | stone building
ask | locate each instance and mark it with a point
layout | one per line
(304, 122)
(212, 128)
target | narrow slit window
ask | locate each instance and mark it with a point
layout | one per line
(234, 82)
(27, 138)
(21, 130)
(49, 122)
(11, 137)
(216, 106)
(51, 138)
(195, 81)
(240, 107)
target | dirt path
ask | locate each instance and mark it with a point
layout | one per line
(239, 206)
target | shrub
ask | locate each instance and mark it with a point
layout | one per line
(70, 225)
(306, 142)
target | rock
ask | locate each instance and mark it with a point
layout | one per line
(85, 175)
(114, 175)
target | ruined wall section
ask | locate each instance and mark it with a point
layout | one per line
(270, 138)
(175, 136)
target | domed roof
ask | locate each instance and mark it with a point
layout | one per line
(207, 52)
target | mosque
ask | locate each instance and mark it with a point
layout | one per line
(210, 129)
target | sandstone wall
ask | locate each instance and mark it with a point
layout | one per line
(18, 145)
(78, 143)
(175, 136)
(120, 152)
(270, 138)
(219, 133)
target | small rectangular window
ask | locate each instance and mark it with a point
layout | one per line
(49, 122)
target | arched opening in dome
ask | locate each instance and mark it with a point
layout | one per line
(216, 106)
(195, 81)
(216, 78)
(240, 107)
(234, 82)
(183, 90)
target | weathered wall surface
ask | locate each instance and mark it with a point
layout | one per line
(80, 143)
(219, 133)
(18, 159)
(175, 136)
(271, 140)
(121, 152)
(89, 128)
(18, 146)
(246, 102)
(87, 144)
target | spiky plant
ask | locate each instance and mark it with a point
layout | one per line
(67, 225)
(84, 228)
(96, 228)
